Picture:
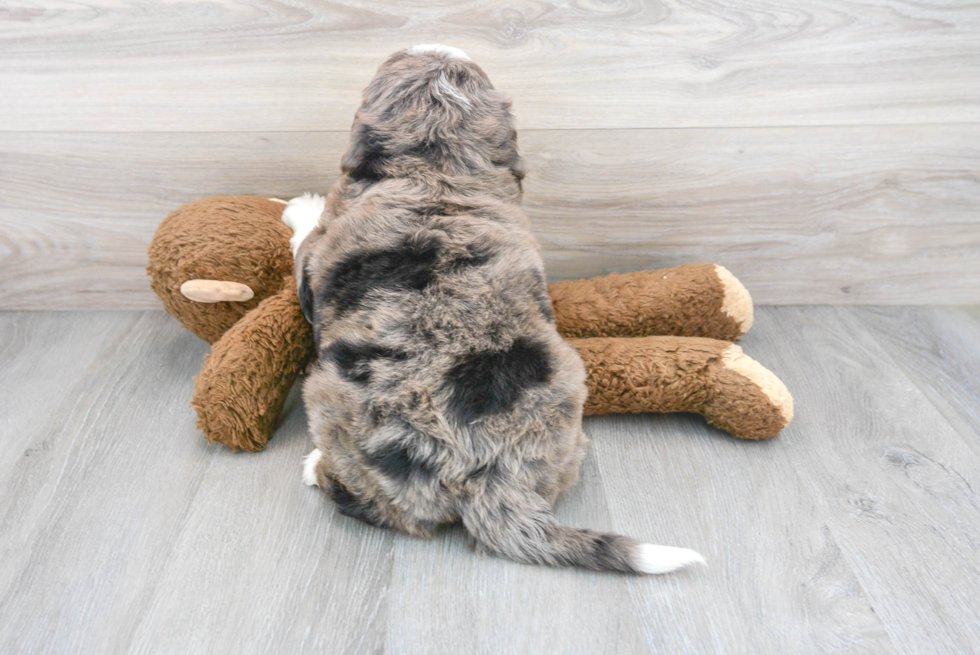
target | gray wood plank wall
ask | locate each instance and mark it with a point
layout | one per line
(825, 152)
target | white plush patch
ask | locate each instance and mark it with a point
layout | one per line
(302, 215)
(650, 558)
(737, 302)
(445, 50)
(309, 467)
(279, 200)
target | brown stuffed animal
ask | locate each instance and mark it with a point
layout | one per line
(223, 267)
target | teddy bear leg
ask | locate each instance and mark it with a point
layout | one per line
(245, 380)
(685, 374)
(694, 300)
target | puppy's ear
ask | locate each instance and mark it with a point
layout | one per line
(517, 166)
(303, 289)
(364, 160)
(511, 156)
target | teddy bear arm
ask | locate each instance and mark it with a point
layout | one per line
(694, 300)
(685, 374)
(245, 380)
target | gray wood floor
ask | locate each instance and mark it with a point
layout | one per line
(855, 531)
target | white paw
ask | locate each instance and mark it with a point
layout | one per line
(309, 467)
(650, 558)
(302, 215)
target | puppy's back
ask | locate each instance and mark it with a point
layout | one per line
(443, 389)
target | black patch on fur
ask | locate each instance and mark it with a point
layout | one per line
(408, 267)
(306, 296)
(350, 505)
(606, 553)
(354, 359)
(396, 461)
(491, 382)
(609, 554)
(431, 151)
(511, 159)
(368, 156)
(490, 474)
(475, 256)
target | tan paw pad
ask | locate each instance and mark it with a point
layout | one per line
(737, 303)
(735, 360)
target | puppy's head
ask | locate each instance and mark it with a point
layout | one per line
(431, 107)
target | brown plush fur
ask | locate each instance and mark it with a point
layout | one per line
(233, 238)
(241, 388)
(246, 233)
(245, 380)
(677, 374)
(260, 346)
(681, 301)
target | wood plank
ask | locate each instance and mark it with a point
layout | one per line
(936, 347)
(776, 580)
(444, 598)
(125, 532)
(266, 564)
(854, 531)
(831, 215)
(77, 212)
(89, 515)
(141, 538)
(245, 66)
(896, 483)
(855, 215)
(42, 365)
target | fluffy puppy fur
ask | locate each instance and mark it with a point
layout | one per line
(443, 391)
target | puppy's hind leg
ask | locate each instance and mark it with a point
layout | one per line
(311, 464)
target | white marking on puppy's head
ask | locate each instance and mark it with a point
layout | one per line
(436, 48)
(445, 87)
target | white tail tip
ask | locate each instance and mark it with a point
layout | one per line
(650, 558)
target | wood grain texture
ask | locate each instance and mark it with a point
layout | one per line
(896, 484)
(124, 532)
(491, 606)
(883, 214)
(936, 347)
(92, 503)
(232, 65)
(744, 507)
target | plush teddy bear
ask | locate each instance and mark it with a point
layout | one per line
(652, 341)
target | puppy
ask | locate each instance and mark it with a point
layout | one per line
(443, 391)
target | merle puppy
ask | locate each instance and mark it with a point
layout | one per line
(443, 391)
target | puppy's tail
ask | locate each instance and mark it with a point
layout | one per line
(518, 524)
